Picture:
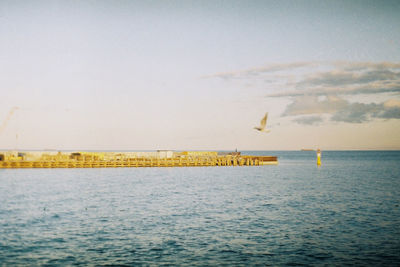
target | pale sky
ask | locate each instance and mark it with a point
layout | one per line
(146, 75)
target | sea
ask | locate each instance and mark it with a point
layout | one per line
(344, 212)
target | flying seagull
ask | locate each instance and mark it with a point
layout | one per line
(263, 123)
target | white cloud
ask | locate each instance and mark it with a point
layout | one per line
(317, 88)
(304, 105)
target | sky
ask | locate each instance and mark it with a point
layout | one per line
(199, 75)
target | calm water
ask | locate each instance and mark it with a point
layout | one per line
(347, 212)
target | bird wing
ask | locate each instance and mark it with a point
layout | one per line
(263, 122)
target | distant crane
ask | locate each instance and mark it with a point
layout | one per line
(7, 119)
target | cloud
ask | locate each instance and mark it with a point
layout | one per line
(304, 105)
(390, 110)
(356, 66)
(347, 81)
(317, 88)
(356, 113)
(389, 113)
(341, 80)
(340, 109)
(346, 78)
(256, 72)
(359, 112)
(371, 88)
(392, 103)
(321, 78)
(313, 120)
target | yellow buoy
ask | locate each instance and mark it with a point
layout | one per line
(318, 157)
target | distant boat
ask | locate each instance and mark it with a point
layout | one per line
(307, 149)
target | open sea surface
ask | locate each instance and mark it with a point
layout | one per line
(346, 212)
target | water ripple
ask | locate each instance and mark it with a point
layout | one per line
(294, 214)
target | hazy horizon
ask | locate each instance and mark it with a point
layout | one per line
(188, 75)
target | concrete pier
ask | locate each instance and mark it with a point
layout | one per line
(54, 159)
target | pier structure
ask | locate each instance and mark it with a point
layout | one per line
(162, 158)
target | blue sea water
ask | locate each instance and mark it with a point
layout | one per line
(346, 212)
